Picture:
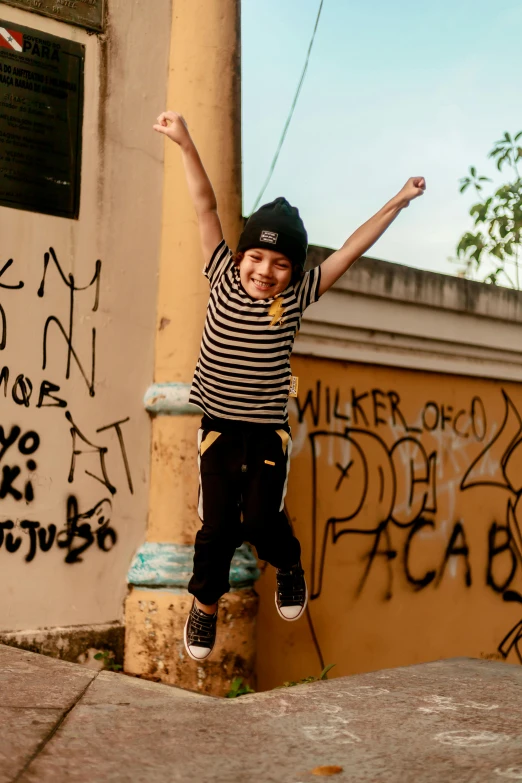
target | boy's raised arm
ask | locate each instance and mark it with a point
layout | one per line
(367, 234)
(201, 192)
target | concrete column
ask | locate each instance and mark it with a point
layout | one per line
(204, 85)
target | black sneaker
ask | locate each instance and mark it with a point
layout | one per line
(292, 594)
(200, 633)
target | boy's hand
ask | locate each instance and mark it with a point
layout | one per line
(414, 188)
(174, 126)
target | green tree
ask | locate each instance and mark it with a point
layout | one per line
(495, 246)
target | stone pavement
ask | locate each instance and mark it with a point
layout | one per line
(458, 720)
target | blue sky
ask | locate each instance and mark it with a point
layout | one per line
(393, 90)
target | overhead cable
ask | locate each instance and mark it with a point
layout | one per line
(289, 118)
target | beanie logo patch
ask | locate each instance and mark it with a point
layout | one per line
(269, 236)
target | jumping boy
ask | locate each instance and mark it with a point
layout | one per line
(242, 383)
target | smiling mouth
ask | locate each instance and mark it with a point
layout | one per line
(261, 283)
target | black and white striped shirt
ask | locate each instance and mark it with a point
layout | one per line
(243, 370)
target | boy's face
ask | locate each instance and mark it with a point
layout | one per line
(264, 273)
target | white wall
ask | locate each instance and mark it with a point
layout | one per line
(119, 224)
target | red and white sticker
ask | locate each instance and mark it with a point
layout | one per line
(10, 39)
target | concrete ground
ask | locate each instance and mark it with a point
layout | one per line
(457, 720)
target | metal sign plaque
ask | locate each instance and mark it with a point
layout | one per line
(41, 112)
(84, 13)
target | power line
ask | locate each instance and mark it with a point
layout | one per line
(289, 118)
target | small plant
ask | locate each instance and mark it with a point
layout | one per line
(107, 657)
(239, 688)
(496, 244)
(322, 676)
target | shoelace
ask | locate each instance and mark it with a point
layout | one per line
(201, 627)
(290, 586)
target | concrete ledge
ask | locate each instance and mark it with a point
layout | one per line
(386, 280)
(75, 643)
(384, 313)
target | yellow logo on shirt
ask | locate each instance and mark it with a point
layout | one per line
(277, 311)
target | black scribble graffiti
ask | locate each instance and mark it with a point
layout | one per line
(39, 537)
(3, 317)
(117, 426)
(22, 390)
(375, 488)
(11, 543)
(370, 481)
(417, 582)
(499, 544)
(4, 285)
(503, 458)
(3, 327)
(82, 530)
(27, 445)
(18, 467)
(47, 391)
(68, 336)
(101, 452)
(365, 410)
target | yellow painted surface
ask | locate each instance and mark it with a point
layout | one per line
(406, 493)
(154, 647)
(173, 512)
(204, 87)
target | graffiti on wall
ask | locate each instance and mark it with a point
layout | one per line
(21, 474)
(396, 483)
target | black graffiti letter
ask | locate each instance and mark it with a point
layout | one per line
(25, 387)
(68, 336)
(46, 538)
(388, 553)
(100, 450)
(7, 525)
(12, 544)
(32, 527)
(4, 269)
(315, 405)
(119, 433)
(452, 550)
(7, 441)
(46, 387)
(101, 538)
(72, 531)
(4, 379)
(429, 576)
(6, 487)
(494, 550)
(29, 443)
(3, 341)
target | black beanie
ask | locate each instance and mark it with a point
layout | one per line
(276, 226)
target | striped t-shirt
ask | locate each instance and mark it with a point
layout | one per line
(243, 370)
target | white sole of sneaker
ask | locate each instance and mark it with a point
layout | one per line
(187, 646)
(292, 619)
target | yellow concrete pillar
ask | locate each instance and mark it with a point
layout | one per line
(204, 86)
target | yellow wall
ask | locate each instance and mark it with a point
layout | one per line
(405, 492)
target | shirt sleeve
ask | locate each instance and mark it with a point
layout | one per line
(219, 262)
(307, 289)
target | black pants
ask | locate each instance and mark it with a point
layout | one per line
(243, 475)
